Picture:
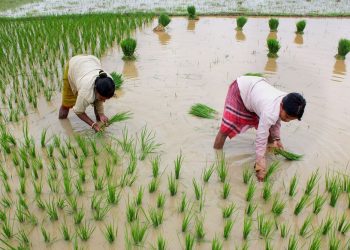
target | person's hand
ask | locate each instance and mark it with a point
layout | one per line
(260, 170)
(96, 127)
(277, 144)
(104, 119)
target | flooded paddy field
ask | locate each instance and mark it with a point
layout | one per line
(192, 62)
(288, 7)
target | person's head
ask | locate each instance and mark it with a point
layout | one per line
(104, 86)
(292, 107)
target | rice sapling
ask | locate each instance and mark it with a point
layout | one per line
(241, 21)
(343, 49)
(128, 46)
(334, 242)
(227, 211)
(300, 26)
(78, 216)
(178, 165)
(274, 46)
(284, 230)
(131, 212)
(301, 204)
(199, 229)
(278, 206)
(265, 226)
(51, 210)
(186, 221)
(247, 227)
(318, 203)
(163, 21)
(315, 243)
(311, 182)
(216, 244)
(65, 232)
(293, 186)
(203, 111)
(138, 232)
(100, 212)
(343, 225)
(208, 173)
(251, 190)
(161, 243)
(247, 175)
(156, 216)
(293, 242)
(189, 242)
(85, 231)
(160, 200)
(110, 233)
(118, 79)
(273, 24)
(226, 190)
(118, 117)
(267, 190)
(268, 245)
(148, 144)
(305, 227)
(197, 189)
(228, 228)
(191, 11)
(46, 235)
(183, 204)
(172, 185)
(153, 185)
(250, 209)
(274, 166)
(222, 169)
(326, 225)
(287, 154)
(335, 193)
(43, 138)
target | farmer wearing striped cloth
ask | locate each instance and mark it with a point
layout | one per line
(252, 102)
(84, 84)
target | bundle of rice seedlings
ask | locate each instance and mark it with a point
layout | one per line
(128, 46)
(343, 48)
(202, 110)
(288, 155)
(274, 46)
(241, 21)
(300, 27)
(254, 74)
(118, 80)
(163, 21)
(191, 10)
(273, 24)
(118, 117)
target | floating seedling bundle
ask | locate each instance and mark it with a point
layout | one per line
(202, 110)
(163, 21)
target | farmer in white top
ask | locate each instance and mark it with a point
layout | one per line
(84, 84)
(252, 102)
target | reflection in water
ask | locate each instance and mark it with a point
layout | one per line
(339, 67)
(191, 25)
(271, 65)
(299, 39)
(240, 35)
(163, 37)
(130, 70)
(272, 35)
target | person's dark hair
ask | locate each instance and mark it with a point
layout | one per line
(105, 85)
(294, 105)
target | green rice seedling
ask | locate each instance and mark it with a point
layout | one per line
(15, 159)
(300, 26)
(49, 150)
(274, 166)
(85, 231)
(247, 175)
(53, 184)
(94, 147)
(82, 175)
(335, 193)
(318, 203)
(203, 111)
(6, 202)
(189, 242)
(126, 143)
(138, 232)
(227, 211)
(333, 242)
(20, 214)
(148, 144)
(108, 169)
(284, 230)
(160, 200)
(268, 245)
(251, 190)
(131, 212)
(63, 151)
(82, 143)
(178, 165)
(74, 152)
(293, 186)
(228, 228)
(191, 11)
(161, 243)
(139, 196)
(315, 243)
(2, 215)
(186, 221)
(94, 171)
(65, 232)
(155, 166)
(247, 227)
(73, 203)
(117, 79)
(22, 237)
(22, 201)
(172, 185)
(7, 229)
(110, 233)
(112, 196)
(226, 190)
(183, 204)
(64, 164)
(222, 169)
(216, 244)
(278, 206)
(343, 225)
(199, 229)
(128, 46)
(265, 226)
(100, 212)
(6, 185)
(343, 49)
(99, 183)
(56, 141)
(79, 187)
(208, 172)
(326, 225)
(132, 162)
(153, 185)
(164, 20)
(293, 242)
(251, 207)
(61, 203)
(273, 24)
(274, 46)
(267, 190)
(46, 235)
(197, 189)
(78, 216)
(287, 154)
(241, 21)
(348, 200)
(156, 217)
(305, 227)
(67, 186)
(311, 182)
(40, 204)
(51, 210)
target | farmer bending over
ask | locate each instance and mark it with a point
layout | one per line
(85, 83)
(252, 102)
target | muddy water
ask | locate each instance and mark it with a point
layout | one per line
(195, 61)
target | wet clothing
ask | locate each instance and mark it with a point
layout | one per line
(79, 84)
(252, 102)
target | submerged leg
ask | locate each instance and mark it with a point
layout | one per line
(63, 113)
(220, 140)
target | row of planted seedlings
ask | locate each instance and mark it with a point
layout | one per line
(36, 49)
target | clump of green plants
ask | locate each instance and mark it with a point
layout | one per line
(265, 226)
(191, 10)
(305, 227)
(199, 229)
(148, 144)
(216, 244)
(311, 182)
(208, 172)
(293, 186)
(273, 24)
(247, 227)
(274, 46)
(202, 110)
(228, 228)
(250, 191)
(241, 21)
(128, 46)
(250, 209)
(326, 225)
(163, 21)
(110, 233)
(301, 204)
(118, 79)
(138, 232)
(118, 117)
(227, 211)
(274, 166)
(318, 203)
(287, 154)
(343, 48)
(300, 26)
(284, 230)
(278, 206)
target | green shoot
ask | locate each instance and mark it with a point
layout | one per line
(178, 165)
(199, 229)
(278, 206)
(251, 190)
(247, 175)
(293, 185)
(267, 190)
(251, 208)
(305, 227)
(186, 221)
(265, 226)
(228, 228)
(202, 110)
(247, 227)
(110, 233)
(318, 203)
(172, 185)
(208, 172)
(160, 200)
(301, 204)
(226, 190)
(227, 211)
(138, 232)
(85, 231)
